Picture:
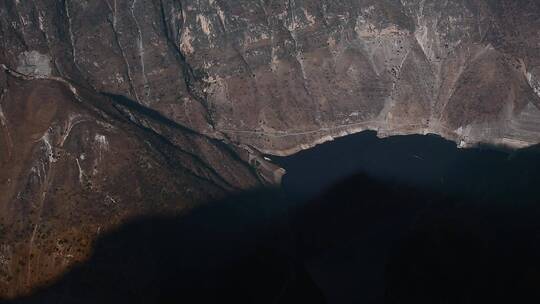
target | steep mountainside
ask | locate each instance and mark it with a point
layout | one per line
(112, 109)
(282, 75)
(73, 165)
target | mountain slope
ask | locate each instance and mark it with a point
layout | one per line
(283, 75)
(74, 166)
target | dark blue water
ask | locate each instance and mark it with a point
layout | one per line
(426, 161)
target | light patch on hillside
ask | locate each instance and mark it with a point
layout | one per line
(34, 64)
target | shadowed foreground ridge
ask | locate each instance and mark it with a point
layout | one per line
(237, 249)
(364, 241)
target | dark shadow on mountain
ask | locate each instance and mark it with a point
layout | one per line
(475, 238)
(148, 112)
(237, 249)
(363, 241)
(367, 241)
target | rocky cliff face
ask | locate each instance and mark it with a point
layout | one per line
(110, 108)
(283, 75)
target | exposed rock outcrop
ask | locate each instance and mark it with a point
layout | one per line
(284, 75)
